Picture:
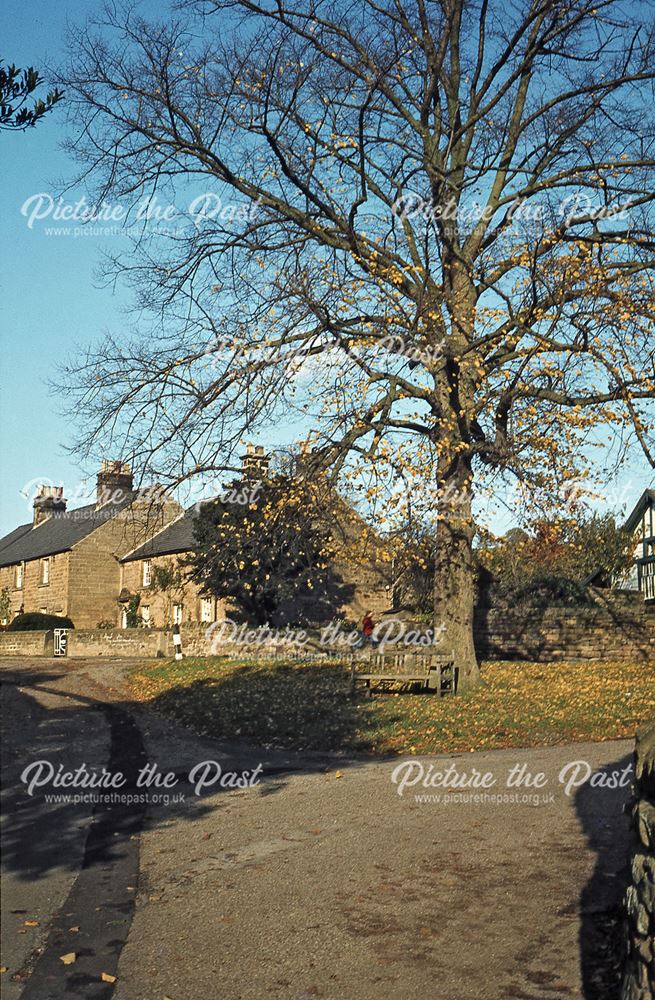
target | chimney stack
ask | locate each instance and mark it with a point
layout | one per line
(254, 464)
(48, 501)
(114, 482)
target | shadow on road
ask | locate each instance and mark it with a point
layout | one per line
(607, 828)
(39, 838)
(283, 707)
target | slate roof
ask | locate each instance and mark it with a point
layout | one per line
(58, 533)
(177, 536)
(14, 535)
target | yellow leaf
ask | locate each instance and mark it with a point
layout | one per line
(106, 978)
(337, 774)
(31, 923)
(68, 958)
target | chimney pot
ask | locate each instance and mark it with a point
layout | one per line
(254, 463)
(114, 481)
(49, 500)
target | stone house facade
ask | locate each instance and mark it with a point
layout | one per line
(67, 562)
(365, 575)
(89, 563)
(162, 602)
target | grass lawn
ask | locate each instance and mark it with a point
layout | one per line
(305, 706)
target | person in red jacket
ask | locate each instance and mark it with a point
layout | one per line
(367, 626)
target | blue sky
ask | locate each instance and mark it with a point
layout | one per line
(52, 301)
(51, 298)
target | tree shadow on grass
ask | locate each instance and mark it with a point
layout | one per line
(601, 811)
(302, 707)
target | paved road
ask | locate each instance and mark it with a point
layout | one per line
(320, 881)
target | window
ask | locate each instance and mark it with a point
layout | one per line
(43, 611)
(18, 582)
(206, 610)
(145, 614)
(146, 573)
(45, 570)
(177, 614)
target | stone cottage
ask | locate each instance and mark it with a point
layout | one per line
(67, 562)
(91, 563)
(155, 573)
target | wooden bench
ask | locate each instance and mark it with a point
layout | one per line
(432, 671)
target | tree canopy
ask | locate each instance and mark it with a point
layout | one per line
(568, 549)
(273, 557)
(16, 86)
(422, 231)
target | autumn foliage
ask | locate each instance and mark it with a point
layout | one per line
(272, 557)
(433, 256)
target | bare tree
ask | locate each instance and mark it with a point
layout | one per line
(434, 247)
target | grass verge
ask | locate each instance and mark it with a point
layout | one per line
(305, 706)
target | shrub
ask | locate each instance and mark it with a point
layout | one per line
(105, 623)
(552, 558)
(543, 591)
(34, 621)
(132, 617)
(5, 605)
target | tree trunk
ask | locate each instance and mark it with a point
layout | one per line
(455, 575)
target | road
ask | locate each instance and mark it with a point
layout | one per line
(320, 880)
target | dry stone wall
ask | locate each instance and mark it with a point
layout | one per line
(614, 627)
(639, 976)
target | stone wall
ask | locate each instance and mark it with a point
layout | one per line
(26, 643)
(120, 642)
(203, 640)
(616, 626)
(132, 642)
(639, 974)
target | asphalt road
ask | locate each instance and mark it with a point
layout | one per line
(321, 880)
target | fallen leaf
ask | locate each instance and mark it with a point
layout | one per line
(337, 774)
(31, 923)
(106, 978)
(3, 968)
(73, 930)
(68, 958)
